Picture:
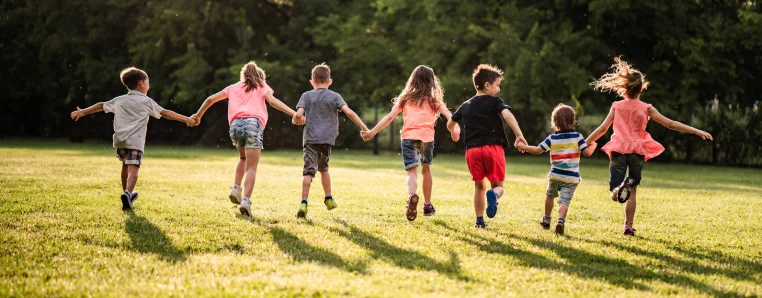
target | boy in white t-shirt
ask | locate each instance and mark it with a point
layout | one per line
(131, 112)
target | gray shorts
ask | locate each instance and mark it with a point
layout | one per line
(316, 158)
(566, 191)
(246, 133)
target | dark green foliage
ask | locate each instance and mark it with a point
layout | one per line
(61, 54)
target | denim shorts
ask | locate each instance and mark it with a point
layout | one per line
(561, 190)
(316, 158)
(246, 133)
(129, 156)
(624, 165)
(414, 151)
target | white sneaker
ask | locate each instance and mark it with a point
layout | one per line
(245, 207)
(235, 194)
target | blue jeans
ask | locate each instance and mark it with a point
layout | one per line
(414, 151)
(247, 133)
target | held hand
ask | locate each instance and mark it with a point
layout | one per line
(455, 133)
(190, 121)
(366, 135)
(520, 144)
(704, 135)
(593, 145)
(196, 119)
(77, 114)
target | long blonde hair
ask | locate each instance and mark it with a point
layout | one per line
(422, 87)
(252, 76)
(624, 80)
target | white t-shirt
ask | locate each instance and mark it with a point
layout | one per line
(131, 113)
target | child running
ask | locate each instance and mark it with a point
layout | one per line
(482, 118)
(131, 114)
(247, 114)
(630, 145)
(565, 146)
(421, 103)
(321, 107)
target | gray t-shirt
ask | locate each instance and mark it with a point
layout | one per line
(131, 112)
(321, 108)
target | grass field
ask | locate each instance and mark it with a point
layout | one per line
(63, 232)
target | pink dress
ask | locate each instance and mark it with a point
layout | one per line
(630, 136)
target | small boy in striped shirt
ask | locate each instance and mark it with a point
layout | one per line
(565, 146)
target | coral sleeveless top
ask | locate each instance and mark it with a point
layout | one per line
(630, 136)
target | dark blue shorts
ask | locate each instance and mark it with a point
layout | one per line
(415, 151)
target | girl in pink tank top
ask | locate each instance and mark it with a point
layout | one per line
(630, 145)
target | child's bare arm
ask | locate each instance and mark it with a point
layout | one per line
(177, 117)
(514, 125)
(353, 116)
(79, 113)
(598, 132)
(384, 122)
(531, 149)
(214, 98)
(298, 117)
(674, 125)
(590, 149)
(278, 105)
(454, 128)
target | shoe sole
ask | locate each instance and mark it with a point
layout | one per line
(545, 226)
(244, 211)
(429, 214)
(560, 230)
(234, 200)
(135, 198)
(301, 214)
(412, 208)
(491, 203)
(331, 205)
(126, 202)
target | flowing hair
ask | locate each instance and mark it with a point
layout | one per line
(252, 76)
(422, 87)
(624, 80)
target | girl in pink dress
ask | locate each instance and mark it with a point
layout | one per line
(630, 145)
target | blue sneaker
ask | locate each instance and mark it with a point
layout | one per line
(126, 201)
(491, 203)
(134, 197)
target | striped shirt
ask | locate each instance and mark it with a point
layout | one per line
(565, 149)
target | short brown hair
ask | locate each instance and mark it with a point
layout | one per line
(321, 73)
(485, 73)
(563, 118)
(132, 76)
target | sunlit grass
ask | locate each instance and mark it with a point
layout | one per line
(63, 232)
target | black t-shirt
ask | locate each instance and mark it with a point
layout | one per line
(482, 122)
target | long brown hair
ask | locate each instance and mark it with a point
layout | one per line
(625, 80)
(422, 87)
(252, 76)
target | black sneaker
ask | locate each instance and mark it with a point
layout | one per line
(545, 223)
(629, 232)
(481, 225)
(126, 201)
(622, 192)
(429, 210)
(134, 197)
(560, 228)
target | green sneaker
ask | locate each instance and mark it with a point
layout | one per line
(302, 211)
(330, 203)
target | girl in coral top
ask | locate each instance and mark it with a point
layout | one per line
(630, 145)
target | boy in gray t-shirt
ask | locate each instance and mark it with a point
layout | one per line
(321, 108)
(131, 113)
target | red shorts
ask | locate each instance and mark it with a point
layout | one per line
(486, 161)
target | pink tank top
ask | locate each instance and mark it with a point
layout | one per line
(630, 136)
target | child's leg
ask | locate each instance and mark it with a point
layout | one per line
(497, 187)
(240, 167)
(306, 182)
(629, 209)
(325, 178)
(124, 177)
(252, 160)
(562, 209)
(480, 188)
(132, 177)
(549, 205)
(412, 180)
(427, 183)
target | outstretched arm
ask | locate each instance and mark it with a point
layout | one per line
(455, 128)
(531, 149)
(207, 103)
(598, 132)
(514, 125)
(177, 117)
(79, 113)
(590, 149)
(353, 116)
(674, 125)
(278, 105)
(384, 122)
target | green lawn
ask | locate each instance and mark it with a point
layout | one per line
(63, 232)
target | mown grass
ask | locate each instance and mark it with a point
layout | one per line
(63, 233)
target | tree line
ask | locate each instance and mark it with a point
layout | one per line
(61, 54)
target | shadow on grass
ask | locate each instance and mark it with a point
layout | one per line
(404, 258)
(147, 238)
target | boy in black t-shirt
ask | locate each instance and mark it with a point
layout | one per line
(482, 120)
